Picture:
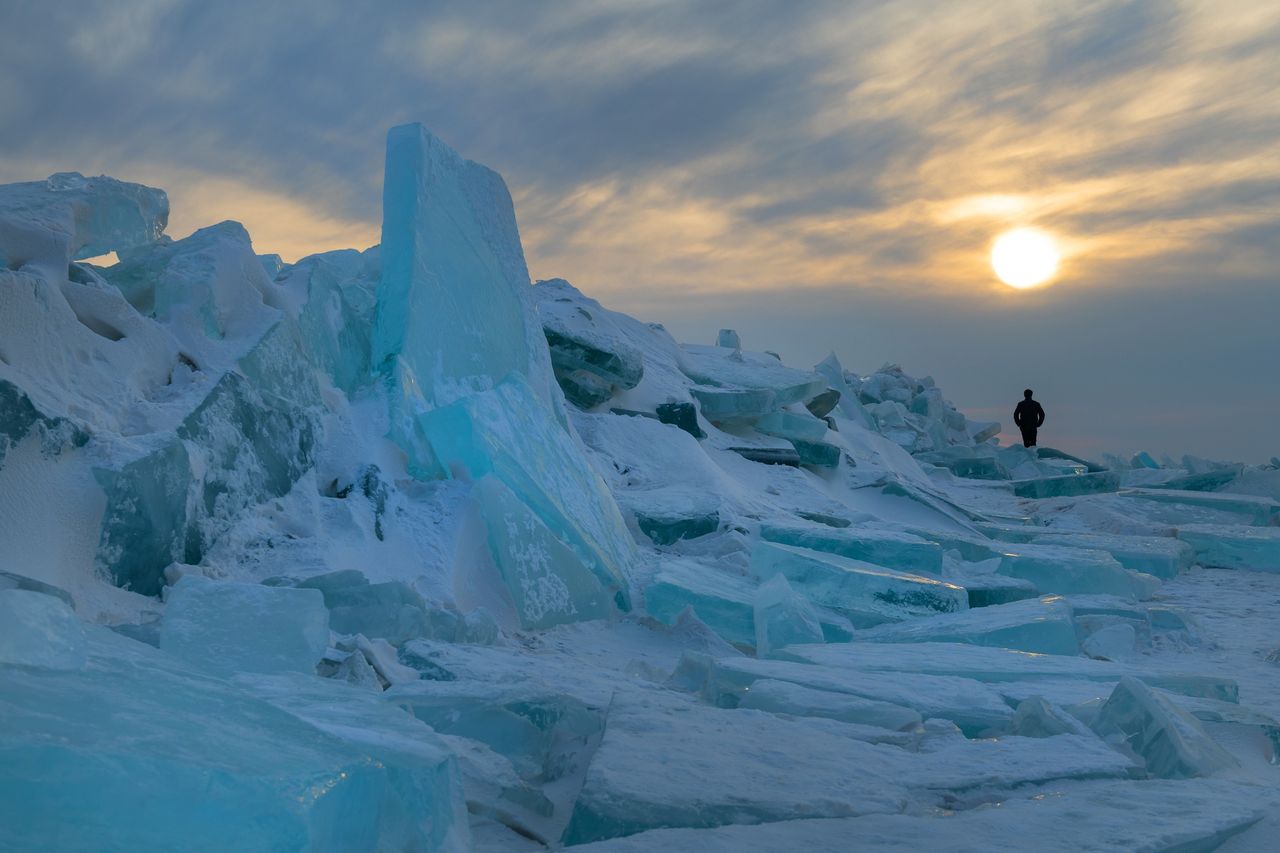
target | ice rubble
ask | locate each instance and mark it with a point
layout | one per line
(134, 750)
(418, 548)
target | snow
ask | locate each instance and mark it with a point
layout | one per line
(388, 549)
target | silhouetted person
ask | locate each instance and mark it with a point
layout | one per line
(1028, 417)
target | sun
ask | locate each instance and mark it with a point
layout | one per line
(1024, 257)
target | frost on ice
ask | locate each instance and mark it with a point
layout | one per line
(388, 548)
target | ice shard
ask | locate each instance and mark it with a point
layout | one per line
(39, 630)
(508, 432)
(783, 617)
(19, 418)
(392, 610)
(549, 582)
(254, 435)
(819, 454)
(669, 524)
(1171, 741)
(1161, 557)
(229, 627)
(866, 594)
(1037, 717)
(1111, 642)
(831, 370)
(145, 525)
(209, 289)
(336, 292)
(739, 387)
(722, 601)
(1182, 507)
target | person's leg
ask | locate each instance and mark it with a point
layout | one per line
(1029, 437)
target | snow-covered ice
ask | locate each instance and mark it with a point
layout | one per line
(390, 549)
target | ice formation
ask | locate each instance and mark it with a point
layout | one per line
(391, 549)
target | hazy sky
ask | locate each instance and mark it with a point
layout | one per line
(819, 175)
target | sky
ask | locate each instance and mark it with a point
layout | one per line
(821, 176)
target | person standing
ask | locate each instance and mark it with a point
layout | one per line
(1028, 417)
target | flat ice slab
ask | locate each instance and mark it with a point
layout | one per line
(670, 761)
(1043, 625)
(726, 603)
(1063, 570)
(1089, 816)
(973, 706)
(888, 548)
(1227, 547)
(769, 768)
(1161, 556)
(1001, 666)
(1069, 485)
(1254, 509)
(868, 595)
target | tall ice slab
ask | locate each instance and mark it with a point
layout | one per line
(454, 313)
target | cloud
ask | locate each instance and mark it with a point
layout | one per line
(688, 158)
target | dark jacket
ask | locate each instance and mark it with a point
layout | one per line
(1028, 415)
